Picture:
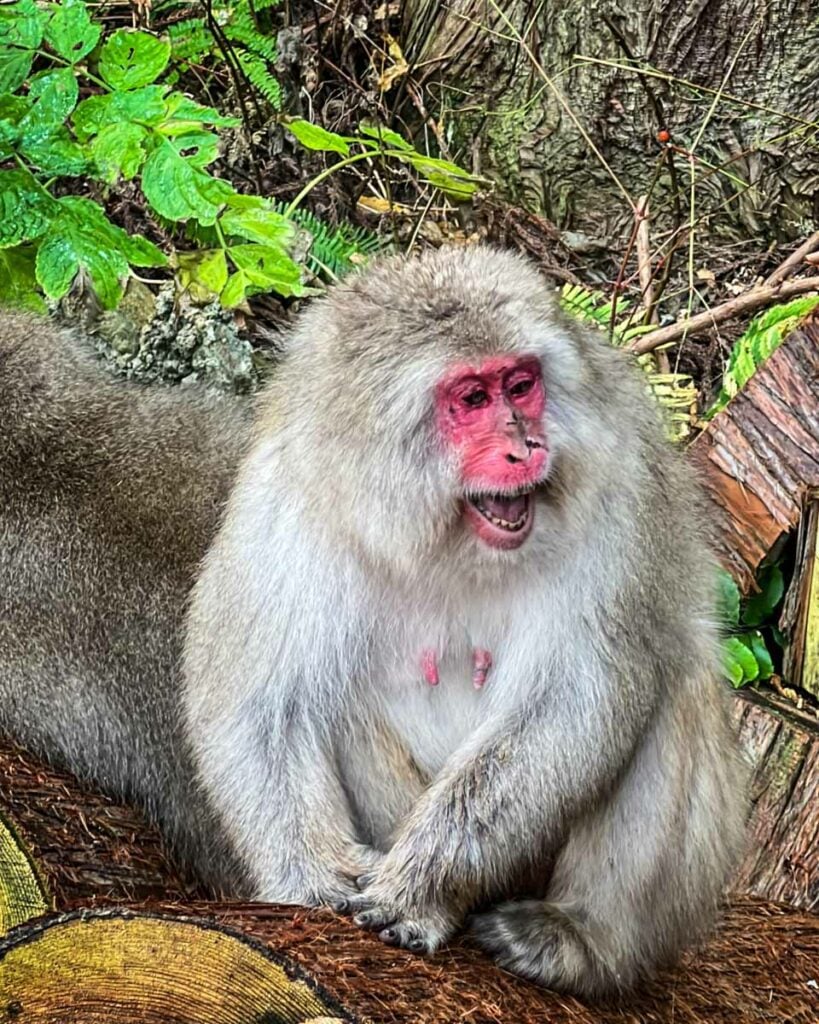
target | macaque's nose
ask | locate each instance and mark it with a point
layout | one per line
(519, 449)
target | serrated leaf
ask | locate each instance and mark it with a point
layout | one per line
(55, 95)
(727, 599)
(260, 224)
(119, 151)
(178, 191)
(145, 105)
(130, 59)
(203, 274)
(313, 137)
(760, 606)
(21, 32)
(197, 148)
(236, 290)
(12, 110)
(70, 31)
(386, 136)
(759, 649)
(268, 268)
(15, 66)
(18, 284)
(25, 209)
(81, 236)
(56, 153)
(739, 663)
(184, 113)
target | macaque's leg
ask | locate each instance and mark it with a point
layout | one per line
(277, 786)
(637, 879)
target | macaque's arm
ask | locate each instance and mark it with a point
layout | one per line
(494, 804)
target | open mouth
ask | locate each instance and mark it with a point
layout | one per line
(501, 520)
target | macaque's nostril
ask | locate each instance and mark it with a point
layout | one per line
(513, 458)
(532, 443)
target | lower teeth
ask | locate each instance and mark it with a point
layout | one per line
(504, 524)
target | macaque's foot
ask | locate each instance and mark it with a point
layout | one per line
(421, 931)
(530, 938)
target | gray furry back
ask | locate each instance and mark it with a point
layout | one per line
(110, 493)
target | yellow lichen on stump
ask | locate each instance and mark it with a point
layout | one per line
(90, 967)
(22, 892)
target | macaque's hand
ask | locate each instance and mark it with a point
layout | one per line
(330, 880)
(400, 920)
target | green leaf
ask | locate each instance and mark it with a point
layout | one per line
(119, 151)
(56, 153)
(145, 105)
(178, 191)
(203, 274)
(727, 599)
(183, 114)
(760, 607)
(738, 662)
(55, 95)
(15, 66)
(18, 285)
(756, 642)
(197, 148)
(313, 137)
(21, 32)
(268, 268)
(82, 237)
(70, 32)
(386, 136)
(258, 222)
(12, 110)
(443, 174)
(25, 209)
(130, 59)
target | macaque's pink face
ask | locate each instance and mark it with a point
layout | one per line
(492, 415)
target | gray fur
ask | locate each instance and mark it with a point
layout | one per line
(583, 809)
(109, 495)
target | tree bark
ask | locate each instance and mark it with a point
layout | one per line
(492, 89)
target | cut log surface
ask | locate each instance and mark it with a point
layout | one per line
(782, 862)
(763, 966)
(149, 969)
(23, 893)
(759, 458)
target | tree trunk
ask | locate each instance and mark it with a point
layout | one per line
(498, 93)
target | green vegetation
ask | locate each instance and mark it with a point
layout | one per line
(749, 625)
(131, 126)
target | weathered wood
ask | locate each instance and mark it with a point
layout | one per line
(800, 612)
(756, 969)
(759, 458)
(23, 893)
(782, 859)
(143, 968)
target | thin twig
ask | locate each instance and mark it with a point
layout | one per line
(787, 267)
(756, 298)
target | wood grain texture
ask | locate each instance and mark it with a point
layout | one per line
(144, 968)
(23, 893)
(782, 859)
(759, 458)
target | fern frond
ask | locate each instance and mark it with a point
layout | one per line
(260, 77)
(764, 335)
(335, 250)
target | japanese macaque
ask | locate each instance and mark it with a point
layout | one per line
(450, 657)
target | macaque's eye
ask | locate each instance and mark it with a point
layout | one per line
(521, 387)
(475, 399)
